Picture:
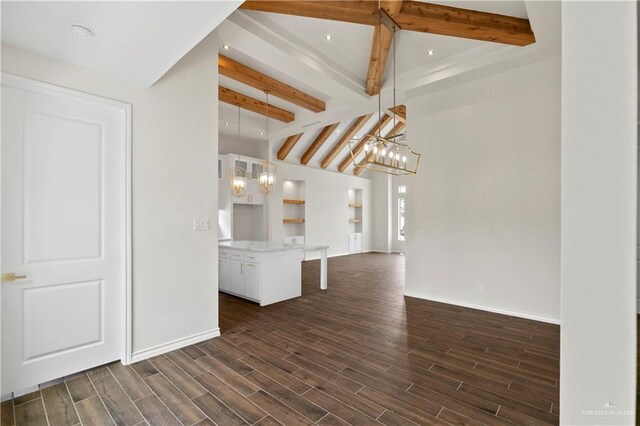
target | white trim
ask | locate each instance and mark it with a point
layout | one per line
(638, 306)
(482, 307)
(30, 84)
(176, 344)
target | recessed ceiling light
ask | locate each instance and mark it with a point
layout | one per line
(81, 31)
(328, 37)
(431, 52)
(261, 133)
(226, 123)
(226, 47)
(338, 131)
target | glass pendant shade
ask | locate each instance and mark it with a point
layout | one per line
(239, 182)
(267, 178)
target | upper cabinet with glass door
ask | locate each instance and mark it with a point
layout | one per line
(253, 167)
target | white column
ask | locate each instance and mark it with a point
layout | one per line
(598, 218)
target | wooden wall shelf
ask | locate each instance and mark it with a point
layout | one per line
(289, 201)
(292, 220)
(357, 206)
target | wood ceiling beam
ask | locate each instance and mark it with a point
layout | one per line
(356, 12)
(288, 145)
(360, 146)
(318, 142)
(380, 46)
(393, 132)
(255, 105)
(344, 140)
(246, 75)
(400, 112)
(464, 23)
(413, 16)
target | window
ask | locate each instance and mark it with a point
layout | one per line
(401, 226)
(402, 189)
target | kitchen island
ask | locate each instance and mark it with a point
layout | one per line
(265, 272)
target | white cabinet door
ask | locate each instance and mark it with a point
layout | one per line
(252, 281)
(63, 231)
(236, 276)
(224, 282)
(358, 243)
(355, 243)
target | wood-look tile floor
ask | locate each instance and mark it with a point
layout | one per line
(359, 353)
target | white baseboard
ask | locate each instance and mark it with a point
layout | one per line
(176, 344)
(482, 307)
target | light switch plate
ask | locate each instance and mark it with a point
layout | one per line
(201, 224)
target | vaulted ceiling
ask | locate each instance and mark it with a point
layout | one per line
(296, 51)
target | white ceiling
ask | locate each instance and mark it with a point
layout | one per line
(134, 41)
(140, 41)
(294, 49)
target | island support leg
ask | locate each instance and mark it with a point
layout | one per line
(323, 269)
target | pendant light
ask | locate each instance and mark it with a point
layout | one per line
(238, 176)
(391, 154)
(267, 176)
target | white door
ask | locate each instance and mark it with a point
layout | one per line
(64, 231)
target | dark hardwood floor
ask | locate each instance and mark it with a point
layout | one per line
(360, 353)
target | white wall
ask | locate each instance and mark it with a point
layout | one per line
(484, 208)
(381, 199)
(234, 145)
(175, 145)
(599, 178)
(326, 207)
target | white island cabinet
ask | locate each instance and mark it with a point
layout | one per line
(260, 271)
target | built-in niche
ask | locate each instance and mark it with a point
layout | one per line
(355, 220)
(293, 211)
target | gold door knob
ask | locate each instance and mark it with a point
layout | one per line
(9, 277)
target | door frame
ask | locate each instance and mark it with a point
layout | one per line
(23, 83)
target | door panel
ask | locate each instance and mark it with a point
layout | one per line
(64, 169)
(64, 204)
(74, 311)
(237, 276)
(252, 281)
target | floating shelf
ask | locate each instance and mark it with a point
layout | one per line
(356, 220)
(289, 201)
(357, 206)
(292, 220)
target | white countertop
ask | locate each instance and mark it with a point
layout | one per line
(266, 246)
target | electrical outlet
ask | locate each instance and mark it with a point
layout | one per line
(483, 288)
(201, 225)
